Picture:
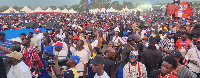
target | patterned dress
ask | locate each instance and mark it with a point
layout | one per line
(130, 71)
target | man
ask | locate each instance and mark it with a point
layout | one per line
(128, 29)
(98, 67)
(60, 39)
(109, 67)
(4, 43)
(178, 35)
(167, 44)
(134, 69)
(70, 71)
(47, 47)
(111, 33)
(52, 33)
(131, 46)
(164, 33)
(22, 36)
(18, 69)
(31, 57)
(81, 67)
(194, 59)
(38, 37)
(60, 52)
(17, 40)
(138, 43)
(151, 57)
(183, 44)
(168, 66)
(2, 67)
(33, 40)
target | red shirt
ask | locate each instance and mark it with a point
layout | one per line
(185, 43)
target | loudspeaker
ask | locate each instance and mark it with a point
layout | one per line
(32, 24)
(52, 25)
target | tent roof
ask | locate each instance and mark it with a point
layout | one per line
(38, 10)
(49, 10)
(139, 9)
(111, 10)
(65, 10)
(10, 9)
(26, 9)
(57, 10)
(72, 11)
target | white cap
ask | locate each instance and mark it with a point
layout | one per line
(17, 40)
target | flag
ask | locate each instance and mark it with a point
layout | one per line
(12, 12)
(89, 2)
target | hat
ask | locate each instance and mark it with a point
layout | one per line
(37, 29)
(190, 25)
(198, 40)
(98, 60)
(58, 44)
(16, 55)
(131, 38)
(2, 34)
(125, 33)
(195, 21)
(17, 40)
(5, 26)
(147, 34)
(75, 58)
(135, 36)
(169, 32)
(134, 53)
(15, 46)
(176, 53)
(76, 38)
(165, 28)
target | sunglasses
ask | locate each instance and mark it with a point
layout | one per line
(131, 56)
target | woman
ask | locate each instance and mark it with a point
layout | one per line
(168, 66)
(181, 71)
(134, 69)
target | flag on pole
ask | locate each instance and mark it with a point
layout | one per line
(89, 2)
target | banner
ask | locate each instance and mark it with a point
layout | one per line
(184, 10)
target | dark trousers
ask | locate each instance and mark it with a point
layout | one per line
(80, 77)
(198, 75)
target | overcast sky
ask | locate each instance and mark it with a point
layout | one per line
(44, 3)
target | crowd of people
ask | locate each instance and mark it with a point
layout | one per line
(95, 45)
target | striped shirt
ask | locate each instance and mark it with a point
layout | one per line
(6, 45)
(31, 55)
(184, 72)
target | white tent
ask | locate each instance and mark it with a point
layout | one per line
(163, 6)
(139, 9)
(102, 10)
(111, 10)
(94, 10)
(26, 9)
(38, 10)
(49, 10)
(125, 9)
(65, 10)
(72, 11)
(10, 9)
(57, 10)
(150, 8)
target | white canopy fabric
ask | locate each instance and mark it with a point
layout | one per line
(94, 10)
(139, 9)
(49, 10)
(150, 8)
(163, 6)
(125, 9)
(102, 10)
(65, 10)
(72, 11)
(26, 9)
(10, 9)
(58, 10)
(111, 10)
(38, 10)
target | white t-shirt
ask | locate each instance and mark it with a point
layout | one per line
(61, 53)
(83, 55)
(93, 44)
(116, 42)
(21, 70)
(105, 75)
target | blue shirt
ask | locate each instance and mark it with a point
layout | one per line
(6, 45)
(48, 49)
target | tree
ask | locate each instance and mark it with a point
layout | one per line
(83, 5)
(61, 7)
(4, 8)
(17, 8)
(75, 7)
(129, 5)
(53, 7)
(116, 5)
(67, 7)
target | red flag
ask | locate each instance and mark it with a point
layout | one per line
(184, 10)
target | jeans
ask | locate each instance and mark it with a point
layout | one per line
(198, 75)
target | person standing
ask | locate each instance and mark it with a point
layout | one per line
(110, 63)
(151, 57)
(31, 57)
(181, 71)
(98, 67)
(134, 69)
(18, 69)
(33, 40)
(81, 67)
(131, 46)
(167, 44)
(2, 67)
(193, 58)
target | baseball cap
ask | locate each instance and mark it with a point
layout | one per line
(75, 58)
(136, 36)
(17, 40)
(169, 32)
(131, 38)
(58, 44)
(165, 28)
(125, 33)
(98, 60)
(76, 38)
(176, 53)
(37, 29)
(147, 34)
(16, 55)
